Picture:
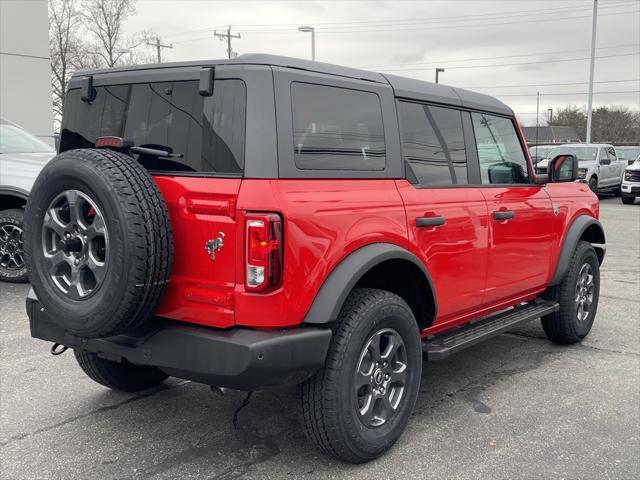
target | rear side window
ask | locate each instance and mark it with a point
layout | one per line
(500, 153)
(207, 134)
(336, 128)
(433, 144)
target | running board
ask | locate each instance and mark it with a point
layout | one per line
(441, 345)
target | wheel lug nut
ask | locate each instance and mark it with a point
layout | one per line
(77, 261)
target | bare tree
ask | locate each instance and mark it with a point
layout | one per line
(611, 124)
(104, 19)
(65, 47)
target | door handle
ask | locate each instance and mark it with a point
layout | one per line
(501, 215)
(429, 221)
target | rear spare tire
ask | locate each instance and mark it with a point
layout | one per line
(98, 242)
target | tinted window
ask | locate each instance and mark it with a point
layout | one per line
(500, 153)
(336, 128)
(208, 132)
(433, 144)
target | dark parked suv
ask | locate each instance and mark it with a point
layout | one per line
(262, 220)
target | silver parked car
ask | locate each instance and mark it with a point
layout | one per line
(22, 156)
(598, 165)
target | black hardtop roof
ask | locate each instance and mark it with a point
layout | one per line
(403, 87)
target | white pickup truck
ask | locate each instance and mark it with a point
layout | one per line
(598, 165)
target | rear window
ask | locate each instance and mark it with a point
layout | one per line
(336, 128)
(207, 134)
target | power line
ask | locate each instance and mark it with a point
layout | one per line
(437, 27)
(284, 27)
(561, 94)
(552, 84)
(503, 56)
(409, 21)
(513, 64)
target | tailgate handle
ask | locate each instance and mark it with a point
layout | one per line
(429, 221)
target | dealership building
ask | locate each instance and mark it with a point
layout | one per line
(25, 66)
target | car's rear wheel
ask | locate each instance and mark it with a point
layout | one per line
(577, 296)
(359, 404)
(13, 267)
(628, 199)
(123, 376)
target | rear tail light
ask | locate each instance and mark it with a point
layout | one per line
(264, 251)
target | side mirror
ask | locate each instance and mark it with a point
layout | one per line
(563, 168)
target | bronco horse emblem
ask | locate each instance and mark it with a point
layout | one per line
(214, 245)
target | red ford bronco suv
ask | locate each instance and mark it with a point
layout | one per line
(262, 220)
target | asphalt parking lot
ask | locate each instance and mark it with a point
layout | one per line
(513, 407)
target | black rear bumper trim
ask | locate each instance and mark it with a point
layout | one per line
(238, 358)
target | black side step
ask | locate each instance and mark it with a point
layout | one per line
(443, 344)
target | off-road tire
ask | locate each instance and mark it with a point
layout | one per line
(327, 400)
(563, 326)
(140, 252)
(13, 217)
(628, 199)
(124, 376)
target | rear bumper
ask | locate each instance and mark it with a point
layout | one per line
(237, 358)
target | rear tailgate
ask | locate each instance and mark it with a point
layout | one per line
(202, 284)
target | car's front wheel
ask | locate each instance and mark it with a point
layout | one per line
(12, 264)
(359, 404)
(577, 296)
(593, 185)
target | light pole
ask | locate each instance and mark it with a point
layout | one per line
(307, 29)
(591, 67)
(126, 50)
(438, 71)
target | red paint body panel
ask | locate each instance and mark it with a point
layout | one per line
(478, 265)
(324, 221)
(201, 291)
(519, 247)
(455, 253)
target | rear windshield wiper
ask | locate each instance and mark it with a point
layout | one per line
(155, 152)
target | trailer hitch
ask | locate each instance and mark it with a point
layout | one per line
(58, 349)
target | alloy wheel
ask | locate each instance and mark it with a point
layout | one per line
(380, 377)
(75, 244)
(585, 286)
(11, 248)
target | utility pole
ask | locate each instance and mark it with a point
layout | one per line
(438, 71)
(226, 36)
(159, 46)
(591, 68)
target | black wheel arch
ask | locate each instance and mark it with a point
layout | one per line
(12, 197)
(369, 266)
(586, 228)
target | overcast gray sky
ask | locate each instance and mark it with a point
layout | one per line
(476, 41)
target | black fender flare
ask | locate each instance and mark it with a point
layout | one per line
(14, 192)
(328, 302)
(570, 242)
